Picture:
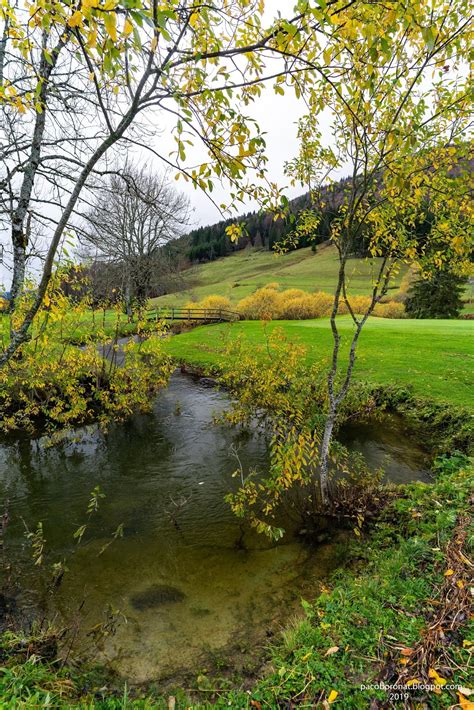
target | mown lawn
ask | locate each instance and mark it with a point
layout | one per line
(434, 357)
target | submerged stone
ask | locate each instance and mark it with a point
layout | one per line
(156, 595)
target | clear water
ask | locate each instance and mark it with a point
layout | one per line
(187, 577)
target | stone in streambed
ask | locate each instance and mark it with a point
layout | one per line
(156, 595)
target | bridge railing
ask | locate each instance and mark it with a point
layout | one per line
(193, 314)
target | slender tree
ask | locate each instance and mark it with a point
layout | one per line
(399, 96)
(133, 216)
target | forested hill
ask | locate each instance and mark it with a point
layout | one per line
(261, 229)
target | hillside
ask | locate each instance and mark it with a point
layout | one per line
(242, 273)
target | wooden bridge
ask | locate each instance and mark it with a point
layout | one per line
(207, 315)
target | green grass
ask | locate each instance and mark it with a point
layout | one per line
(434, 357)
(79, 327)
(242, 273)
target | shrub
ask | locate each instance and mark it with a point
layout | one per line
(212, 302)
(359, 304)
(310, 305)
(292, 293)
(405, 284)
(217, 302)
(263, 304)
(268, 303)
(392, 309)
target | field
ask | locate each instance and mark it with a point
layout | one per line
(434, 357)
(242, 273)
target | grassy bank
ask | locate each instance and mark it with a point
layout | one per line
(433, 357)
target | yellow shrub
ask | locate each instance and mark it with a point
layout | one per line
(215, 302)
(310, 305)
(360, 304)
(292, 293)
(264, 304)
(212, 303)
(406, 282)
(389, 310)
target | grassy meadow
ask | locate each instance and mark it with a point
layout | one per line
(241, 274)
(434, 357)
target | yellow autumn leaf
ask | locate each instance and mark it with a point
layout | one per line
(449, 572)
(436, 677)
(92, 38)
(464, 703)
(193, 19)
(330, 651)
(332, 696)
(76, 19)
(110, 22)
(127, 28)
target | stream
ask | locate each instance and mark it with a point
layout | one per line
(187, 579)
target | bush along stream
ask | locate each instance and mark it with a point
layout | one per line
(375, 616)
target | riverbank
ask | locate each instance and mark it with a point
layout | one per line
(397, 616)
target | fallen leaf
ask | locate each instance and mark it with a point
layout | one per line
(406, 651)
(464, 703)
(436, 677)
(465, 691)
(412, 681)
(306, 656)
(449, 572)
(332, 696)
(330, 651)
(256, 704)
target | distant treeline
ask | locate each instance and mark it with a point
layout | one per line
(262, 230)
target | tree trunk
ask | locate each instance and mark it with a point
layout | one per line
(19, 266)
(324, 458)
(127, 298)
